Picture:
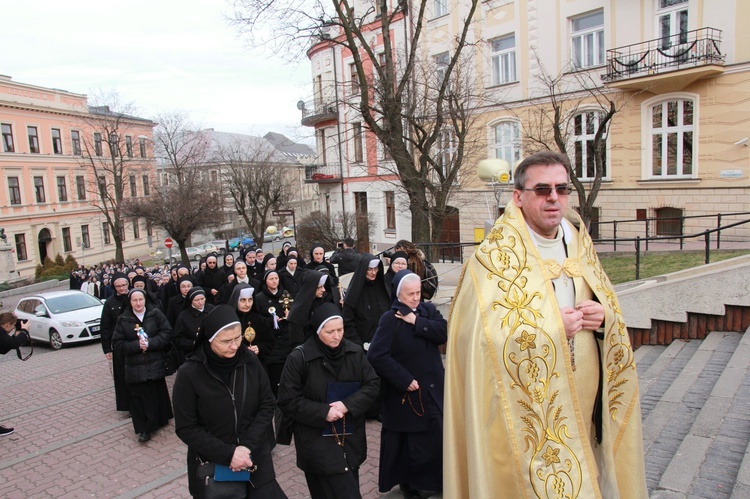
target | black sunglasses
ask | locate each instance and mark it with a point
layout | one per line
(546, 190)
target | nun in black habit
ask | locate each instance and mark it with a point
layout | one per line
(223, 407)
(256, 329)
(175, 306)
(271, 302)
(315, 291)
(195, 308)
(366, 300)
(291, 276)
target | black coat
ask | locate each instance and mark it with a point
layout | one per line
(112, 309)
(226, 291)
(346, 259)
(10, 342)
(204, 413)
(400, 353)
(361, 319)
(262, 303)
(149, 365)
(212, 279)
(291, 283)
(302, 397)
(174, 308)
(186, 329)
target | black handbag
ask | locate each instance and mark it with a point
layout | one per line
(208, 488)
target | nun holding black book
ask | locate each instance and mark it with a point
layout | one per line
(326, 388)
(223, 407)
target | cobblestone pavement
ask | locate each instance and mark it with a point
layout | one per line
(70, 441)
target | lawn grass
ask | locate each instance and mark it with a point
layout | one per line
(622, 268)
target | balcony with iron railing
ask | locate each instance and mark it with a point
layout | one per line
(315, 111)
(666, 64)
(329, 173)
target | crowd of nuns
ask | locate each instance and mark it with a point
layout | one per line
(273, 348)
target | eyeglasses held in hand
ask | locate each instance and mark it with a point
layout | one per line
(545, 190)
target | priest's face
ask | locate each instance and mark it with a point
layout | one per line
(543, 213)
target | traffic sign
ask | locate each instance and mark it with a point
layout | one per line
(279, 213)
(168, 243)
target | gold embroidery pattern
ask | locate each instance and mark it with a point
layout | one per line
(618, 354)
(530, 359)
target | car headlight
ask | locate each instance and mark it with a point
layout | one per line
(71, 323)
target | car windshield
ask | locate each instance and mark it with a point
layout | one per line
(68, 303)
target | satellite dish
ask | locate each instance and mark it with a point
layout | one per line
(301, 105)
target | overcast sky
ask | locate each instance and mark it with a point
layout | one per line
(161, 55)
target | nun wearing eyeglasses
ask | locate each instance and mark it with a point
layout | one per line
(405, 354)
(223, 406)
(326, 388)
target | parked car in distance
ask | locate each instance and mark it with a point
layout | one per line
(193, 252)
(237, 242)
(220, 244)
(272, 236)
(208, 248)
(61, 317)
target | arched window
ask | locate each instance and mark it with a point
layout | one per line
(672, 138)
(585, 126)
(508, 142)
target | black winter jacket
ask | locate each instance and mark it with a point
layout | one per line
(149, 365)
(112, 309)
(263, 302)
(302, 397)
(186, 329)
(204, 413)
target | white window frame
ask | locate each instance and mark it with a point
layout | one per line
(503, 60)
(584, 138)
(587, 44)
(672, 14)
(442, 60)
(509, 148)
(680, 128)
(440, 8)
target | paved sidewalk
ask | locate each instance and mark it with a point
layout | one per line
(70, 442)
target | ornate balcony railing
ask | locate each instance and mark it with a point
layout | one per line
(327, 173)
(695, 48)
(317, 110)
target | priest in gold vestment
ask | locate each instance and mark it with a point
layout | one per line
(541, 396)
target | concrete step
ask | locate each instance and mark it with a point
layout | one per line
(667, 441)
(645, 357)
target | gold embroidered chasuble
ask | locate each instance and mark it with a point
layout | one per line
(515, 422)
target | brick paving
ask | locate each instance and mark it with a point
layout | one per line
(70, 442)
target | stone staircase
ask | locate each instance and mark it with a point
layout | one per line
(693, 362)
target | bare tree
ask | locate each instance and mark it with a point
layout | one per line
(387, 102)
(190, 200)
(319, 228)
(570, 104)
(258, 180)
(107, 152)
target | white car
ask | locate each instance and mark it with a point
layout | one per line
(61, 317)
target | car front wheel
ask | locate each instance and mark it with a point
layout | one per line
(55, 340)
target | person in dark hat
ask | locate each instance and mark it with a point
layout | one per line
(273, 303)
(254, 267)
(228, 266)
(269, 262)
(143, 334)
(295, 252)
(176, 303)
(366, 300)
(283, 254)
(112, 309)
(399, 261)
(224, 406)
(194, 309)
(239, 276)
(314, 292)
(291, 276)
(142, 282)
(212, 279)
(328, 384)
(405, 353)
(256, 329)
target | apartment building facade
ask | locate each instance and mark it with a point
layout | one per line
(48, 205)
(678, 72)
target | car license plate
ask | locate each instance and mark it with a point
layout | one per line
(94, 329)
